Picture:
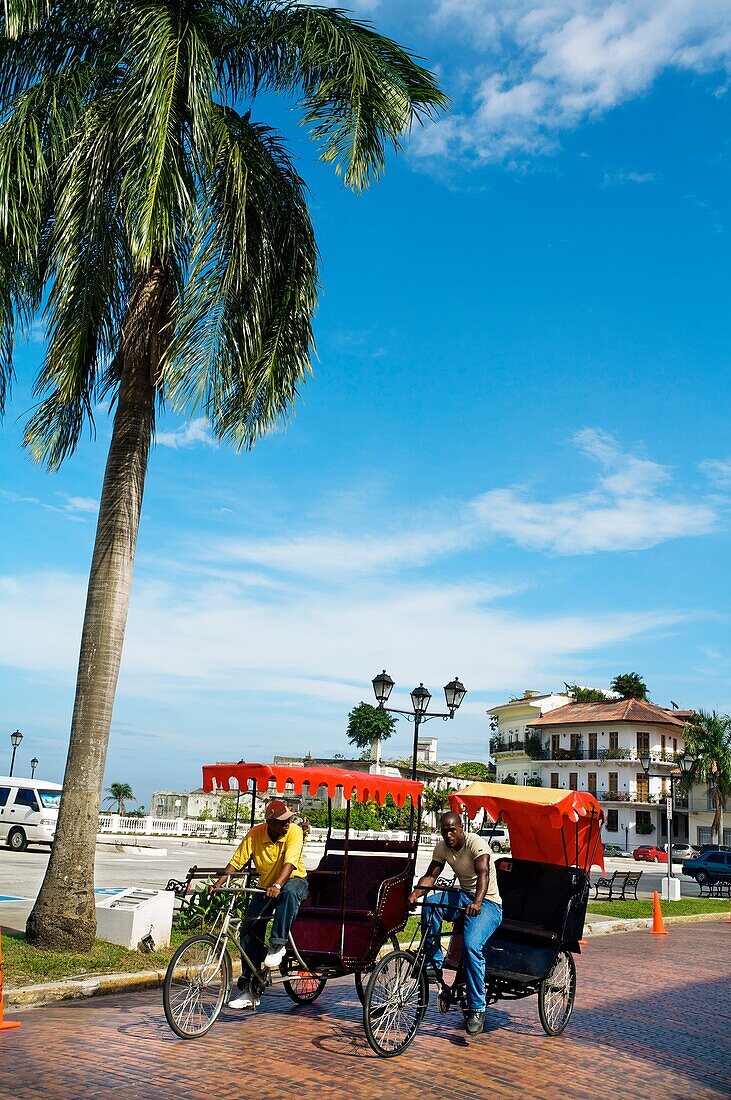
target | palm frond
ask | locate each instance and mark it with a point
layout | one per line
(89, 269)
(166, 98)
(361, 91)
(244, 334)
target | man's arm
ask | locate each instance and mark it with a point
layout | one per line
(228, 870)
(426, 882)
(274, 888)
(482, 870)
(238, 861)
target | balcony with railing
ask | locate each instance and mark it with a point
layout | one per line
(514, 747)
(601, 756)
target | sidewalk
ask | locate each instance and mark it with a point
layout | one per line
(652, 1019)
(94, 985)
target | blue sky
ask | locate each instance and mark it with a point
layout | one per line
(512, 462)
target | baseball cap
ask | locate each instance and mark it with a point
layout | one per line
(277, 810)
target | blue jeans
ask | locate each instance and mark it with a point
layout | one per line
(260, 909)
(446, 905)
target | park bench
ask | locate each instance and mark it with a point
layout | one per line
(721, 888)
(617, 886)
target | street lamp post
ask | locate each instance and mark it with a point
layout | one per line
(33, 765)
(626, 836)
(15, 739)
(454, 693)
(685, 764)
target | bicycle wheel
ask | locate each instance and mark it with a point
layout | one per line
(303, 987)
(196, 986)
(391, 944)
(556, 994)
(395, 1002)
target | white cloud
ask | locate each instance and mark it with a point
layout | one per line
(717, 472)
(543, 66)
(620, 177)
(187, 435)
(74, 506)
(322, 554)
(629, 507)
(625, 510)
(81, 504)
(219, 637)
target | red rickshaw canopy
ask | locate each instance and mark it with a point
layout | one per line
(367, 787)
(545, 825)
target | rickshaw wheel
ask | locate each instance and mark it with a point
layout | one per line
(305, 988)
(194, 996)
(556, 994)
(391, 944)
(395, 1003)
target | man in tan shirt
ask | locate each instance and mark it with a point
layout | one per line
(470, 857)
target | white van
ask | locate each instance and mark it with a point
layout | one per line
(28, 811)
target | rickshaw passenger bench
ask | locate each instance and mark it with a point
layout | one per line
(542, 902)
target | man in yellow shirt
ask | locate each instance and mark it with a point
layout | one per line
(275, 847)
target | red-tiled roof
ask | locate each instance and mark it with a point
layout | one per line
(624, 710)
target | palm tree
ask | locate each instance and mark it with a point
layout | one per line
(120, 793)
(435, 800)
(167, 236)
(629, 685)
(708, 742)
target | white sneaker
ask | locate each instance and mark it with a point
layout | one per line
(275, 956)
(245, 1000)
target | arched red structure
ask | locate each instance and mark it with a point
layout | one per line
(367, 787)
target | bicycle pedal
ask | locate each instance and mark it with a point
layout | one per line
(444, 1004)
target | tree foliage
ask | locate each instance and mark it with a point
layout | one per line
(436, 799)
(471, 769)
(367, 723)
(708, 742)
(165, 237)
(119, 794)
(630, 685)
(581, 694)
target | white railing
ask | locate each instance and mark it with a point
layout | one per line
(160, 826)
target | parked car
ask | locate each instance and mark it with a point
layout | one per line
(614, 851)
(679, 852)
(710, 866)
(498, 837)
(28, 811)
(650, 853)
(714, 848)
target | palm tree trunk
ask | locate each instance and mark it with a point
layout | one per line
(64, 915)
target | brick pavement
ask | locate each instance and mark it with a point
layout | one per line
(652, 1019)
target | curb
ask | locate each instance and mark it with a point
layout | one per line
(95, 985)
(98, 985)
(637, 924)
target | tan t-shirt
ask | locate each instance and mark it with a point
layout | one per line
(463, 864)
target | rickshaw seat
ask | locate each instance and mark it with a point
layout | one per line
(538, 898)
(525, 929)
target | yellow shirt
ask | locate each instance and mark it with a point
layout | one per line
(270, 855)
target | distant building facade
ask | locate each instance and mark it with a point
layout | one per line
(596, 747)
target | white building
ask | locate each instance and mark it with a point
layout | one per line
(191, 804)
(510, 725)
(596, 747)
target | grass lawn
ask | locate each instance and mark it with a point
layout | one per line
(26, 965)
(624, 910)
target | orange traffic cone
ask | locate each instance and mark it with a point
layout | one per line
(658, 924)
(5, 1025)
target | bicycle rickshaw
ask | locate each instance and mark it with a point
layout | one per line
(544, 883)
(357, 899)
